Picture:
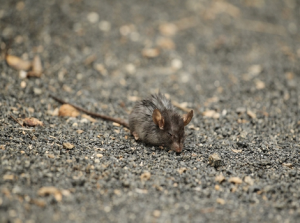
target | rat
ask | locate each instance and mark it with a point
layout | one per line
(153, 121)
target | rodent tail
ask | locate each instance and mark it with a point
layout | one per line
(96, 115)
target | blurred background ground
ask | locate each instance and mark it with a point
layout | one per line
(236, 63)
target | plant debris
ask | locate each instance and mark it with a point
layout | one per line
(68, 110)
(32, 122)
(18, 63)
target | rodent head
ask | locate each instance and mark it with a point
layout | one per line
(171, 127)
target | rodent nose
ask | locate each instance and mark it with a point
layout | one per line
(176, 147)
(178, 150)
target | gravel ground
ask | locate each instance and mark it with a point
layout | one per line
(236, 63)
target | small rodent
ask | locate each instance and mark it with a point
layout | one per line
(152, 120)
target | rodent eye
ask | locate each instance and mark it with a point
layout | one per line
(170, 134)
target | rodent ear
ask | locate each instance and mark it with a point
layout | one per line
(158, 119)
(187, 117)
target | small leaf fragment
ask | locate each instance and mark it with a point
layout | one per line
(51, 156)
(133, 98)
(90, 59)
(79, 131)
(251, 114)
(68, 110)
(165, 43)
(18, 63)
(290, 165)
(150, 52)
(38, 202)
(220, 201)
(235, 180)
(68, 145)
(32, 122)
(8, 177)
(45, 191)
(37, 68)
(168, 29)
(236, 150)
(211, 114)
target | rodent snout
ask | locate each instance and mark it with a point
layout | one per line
(177, 147)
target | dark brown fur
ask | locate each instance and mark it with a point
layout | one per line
(143, 126)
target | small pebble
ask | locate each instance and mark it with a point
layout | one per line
(215, 160)
(93, 17)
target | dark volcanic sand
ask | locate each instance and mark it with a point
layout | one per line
(238, 61)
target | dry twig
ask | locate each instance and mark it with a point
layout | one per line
(16, 120)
